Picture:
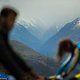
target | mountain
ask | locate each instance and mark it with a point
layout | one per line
(52, 30)
(22, 34)
(40, 63)
(34, 27)
(32, 34)
(70, 31)
(39, 30)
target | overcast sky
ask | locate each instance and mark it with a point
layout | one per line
(47, 12)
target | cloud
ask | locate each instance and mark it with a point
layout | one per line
(4, 0)
(50, 12)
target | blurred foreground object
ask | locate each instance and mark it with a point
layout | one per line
(73, 51)
(9, 59)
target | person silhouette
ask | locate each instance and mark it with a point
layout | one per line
(11, 61)
(73, 51)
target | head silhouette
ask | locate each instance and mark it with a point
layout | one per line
(65, 46)
(7, 18)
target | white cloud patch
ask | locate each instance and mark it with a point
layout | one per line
(49, 12)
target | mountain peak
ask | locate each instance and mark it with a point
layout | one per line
(76, 21)
(24, 24)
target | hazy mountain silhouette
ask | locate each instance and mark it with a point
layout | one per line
(22, 34)
(70, 31)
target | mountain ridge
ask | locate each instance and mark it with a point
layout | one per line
(68, 32)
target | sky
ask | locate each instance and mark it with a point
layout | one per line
(48, 13)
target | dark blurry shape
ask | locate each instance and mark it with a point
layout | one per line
(7, 11)
(74, 79)
(8, 58)
(65, 46)
(7, 18)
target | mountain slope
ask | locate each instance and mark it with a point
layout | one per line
(21, 34)
(34, 28)
(70, 30)
(32, 34)
(40, 64)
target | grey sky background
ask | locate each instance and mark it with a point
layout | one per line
(45, 12)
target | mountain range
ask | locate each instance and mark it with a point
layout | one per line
(22, 34)
(31, 36)
(69, 31)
